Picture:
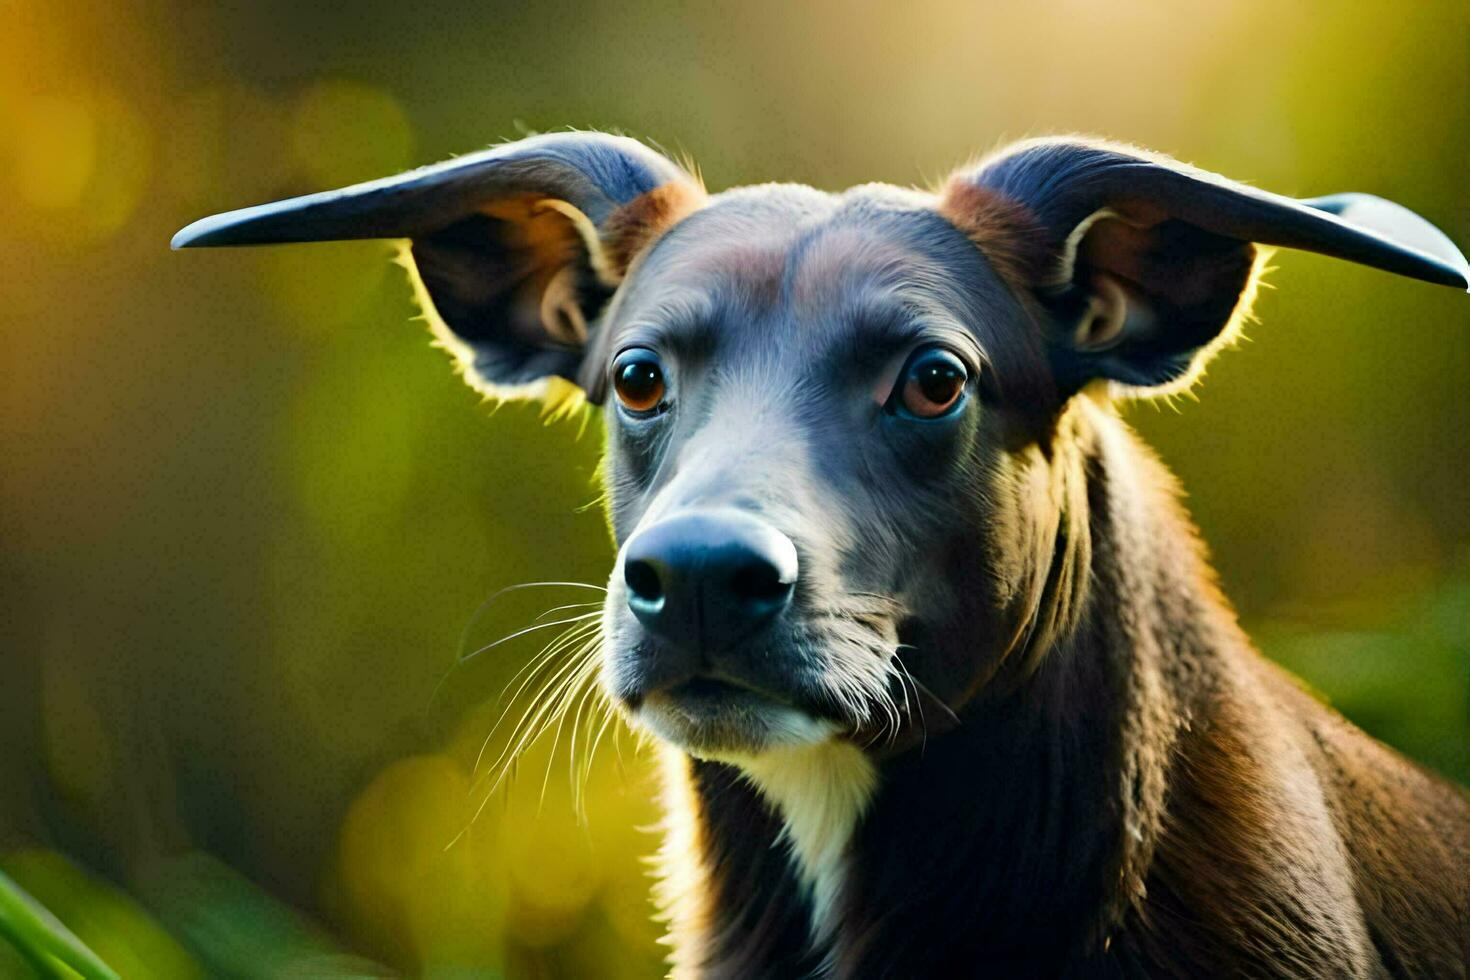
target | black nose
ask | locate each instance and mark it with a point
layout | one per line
(706, 579)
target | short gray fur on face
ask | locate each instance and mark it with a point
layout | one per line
(779, 313)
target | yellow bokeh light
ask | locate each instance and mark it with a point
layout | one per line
(343, 132)
(57, 152)
(81, 164)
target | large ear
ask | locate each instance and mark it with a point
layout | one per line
(1145, 264)
(517, 249)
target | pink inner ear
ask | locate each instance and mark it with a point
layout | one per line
(1117, 247)
(1177, 266)
(1106, 319)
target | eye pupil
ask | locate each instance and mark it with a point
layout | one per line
(939, 381)
(639, 381)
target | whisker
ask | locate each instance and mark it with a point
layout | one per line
(537, 702)
(484, 607)
(460, 658)
(528, 629)
(563, 608)
(906, 675)
(555, 712)
(547, 655)
(525, 735)
(609, 718)
(544, 708)
(564, 699)
(589, 690)
(920, 686)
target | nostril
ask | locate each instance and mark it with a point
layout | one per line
(642, 580)
(759, 582)
(703, 581)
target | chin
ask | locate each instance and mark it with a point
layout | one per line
(713, 719)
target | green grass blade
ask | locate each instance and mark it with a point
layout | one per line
(42, 939)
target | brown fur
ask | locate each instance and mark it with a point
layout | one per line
(1281, 829)
(547, 235)
(635, 226)
(1002, 228)
(1154, 800)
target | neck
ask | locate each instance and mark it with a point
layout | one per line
(1019, 838)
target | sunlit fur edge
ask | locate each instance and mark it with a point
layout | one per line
(559, 398)
(1229, 336)
(682, 887)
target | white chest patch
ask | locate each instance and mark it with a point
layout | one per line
(821, 791)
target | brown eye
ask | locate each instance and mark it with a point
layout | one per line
(639, 380)
(931, 384)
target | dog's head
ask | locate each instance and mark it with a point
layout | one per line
(838, 442)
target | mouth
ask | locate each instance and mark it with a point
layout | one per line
(716, 718)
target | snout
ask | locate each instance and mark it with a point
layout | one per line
(704, 581)
(711, 664)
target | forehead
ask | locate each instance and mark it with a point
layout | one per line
(797, 255)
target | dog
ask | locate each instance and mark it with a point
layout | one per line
(946, 685)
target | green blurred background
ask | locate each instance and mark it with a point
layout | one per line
(247, 514)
